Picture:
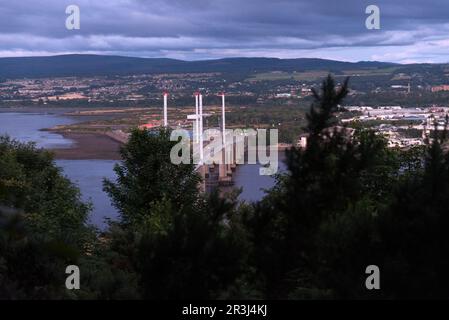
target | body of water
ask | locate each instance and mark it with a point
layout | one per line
(26, 128)
(89, 174)
(252, 183)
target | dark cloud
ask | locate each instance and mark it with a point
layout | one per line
(192, 29)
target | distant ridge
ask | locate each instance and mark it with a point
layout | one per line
(100, 65)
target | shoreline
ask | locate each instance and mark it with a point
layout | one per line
(88, 146)
(98, 146)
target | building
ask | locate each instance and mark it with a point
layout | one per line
(443, 87)
(151, 125)
(283, 95)
(346, 132)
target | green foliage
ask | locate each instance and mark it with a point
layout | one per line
(346, 202)
(30, 181)
(146, 175)
(42, 223)
(180, 243)
(414, 230)
(191, 253)
(321, 115)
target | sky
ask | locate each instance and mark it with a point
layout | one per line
(410, 31)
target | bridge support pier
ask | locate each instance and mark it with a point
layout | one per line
(202, 171)
(224, 177)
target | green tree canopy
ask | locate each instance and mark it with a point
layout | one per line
(42, 223)
(181, 243)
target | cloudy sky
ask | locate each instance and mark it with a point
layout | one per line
(411, 31)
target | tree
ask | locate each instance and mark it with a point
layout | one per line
(42, 223)
(194, 252)
(339, 171)
(146, 176)
(181, 244)
(413, 228)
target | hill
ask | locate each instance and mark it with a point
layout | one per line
(97, 65)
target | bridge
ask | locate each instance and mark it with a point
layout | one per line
(225, 156)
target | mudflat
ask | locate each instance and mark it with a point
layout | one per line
(89, 146)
